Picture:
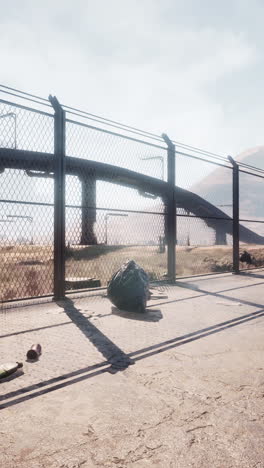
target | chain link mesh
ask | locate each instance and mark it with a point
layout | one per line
(108, 220)
(120, 236)
(26, 129)
(110, 148)
(113, 211)
(252, 218)
(204, 220)
(203, 246)
(26, 203)
(250, 197)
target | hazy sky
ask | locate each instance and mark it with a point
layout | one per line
(193, 69)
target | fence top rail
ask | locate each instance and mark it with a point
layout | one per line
(200, 151)
(199, 158)
(249, 167)
(191, 151)
(251, 173)
(25, 98)
(107, 122)
(24, 93)
(103, 130)
(21, 106)
(143, 133)
(112, 123)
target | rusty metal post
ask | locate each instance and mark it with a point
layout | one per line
(59, 199)
(171, 210)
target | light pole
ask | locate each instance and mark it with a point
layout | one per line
(29, 218)
(106, 220)
(6, 221)
(188, 229)
(11, 114)
(160, 158)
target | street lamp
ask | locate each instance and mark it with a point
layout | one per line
(188, 229)
(6, 221)
(160, 158)
(106, 220)
(11, 114)
(29, 218)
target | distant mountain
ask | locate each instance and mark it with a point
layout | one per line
(217, 187)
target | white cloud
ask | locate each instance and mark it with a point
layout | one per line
(130, 61)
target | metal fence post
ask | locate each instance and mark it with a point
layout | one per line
(235, 215)
(171, 210)
(59, 199)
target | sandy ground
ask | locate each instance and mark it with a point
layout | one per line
(182, 385)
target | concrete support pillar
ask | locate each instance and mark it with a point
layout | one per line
(88, 183)
(220, 237)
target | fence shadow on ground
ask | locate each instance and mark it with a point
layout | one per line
(250, 274)
(100, 341)
(111, 352)
(204, 292)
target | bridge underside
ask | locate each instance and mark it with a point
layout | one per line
(91, 171)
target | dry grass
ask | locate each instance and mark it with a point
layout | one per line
(28, 270)
(86, 262)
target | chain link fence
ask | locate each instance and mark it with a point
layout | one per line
(26, 202)
(204, 221)
(252, 218)
(80, 195)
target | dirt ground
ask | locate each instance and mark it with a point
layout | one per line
(182, 385)
(27, 270)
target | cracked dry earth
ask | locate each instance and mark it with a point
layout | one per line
(199, 403)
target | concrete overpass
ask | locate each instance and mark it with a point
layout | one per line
(91, 171)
